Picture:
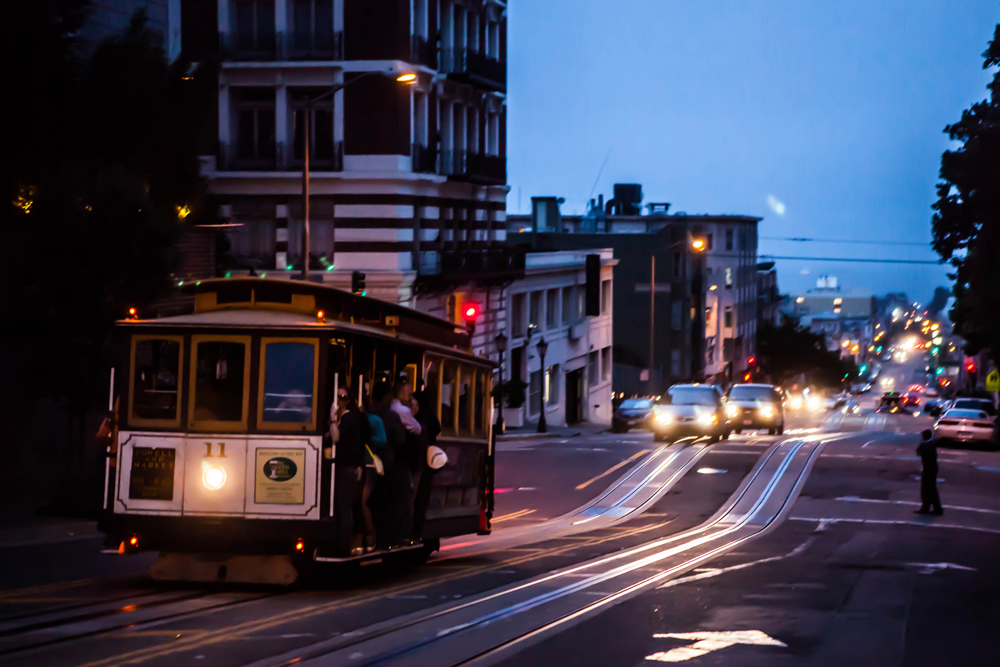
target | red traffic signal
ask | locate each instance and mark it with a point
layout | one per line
(971, 367)
(746, 378)
(470, 311)
(751, 361)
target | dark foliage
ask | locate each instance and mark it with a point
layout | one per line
(787, 351)
(967, 219)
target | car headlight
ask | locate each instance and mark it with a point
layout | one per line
(707, 420)
(732, 411)
(797, 403)
(767, 411)
(814, 404)
(214, 477)
(663, 418)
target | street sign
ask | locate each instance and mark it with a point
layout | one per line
(993, 380)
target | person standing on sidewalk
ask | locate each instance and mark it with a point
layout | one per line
(930, 501)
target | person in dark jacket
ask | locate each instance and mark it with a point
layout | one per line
(350, 436)
(424, 476)
(397, 499)
(930, 501)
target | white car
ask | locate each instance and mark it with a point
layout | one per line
(965, 426)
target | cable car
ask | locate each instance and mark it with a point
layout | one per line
(220, 463)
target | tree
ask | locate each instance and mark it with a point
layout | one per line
(786, 351)
(939, 301)
(967, 219)
(103, 157)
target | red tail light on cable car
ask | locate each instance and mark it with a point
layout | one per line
(321, 315)
(300, 546)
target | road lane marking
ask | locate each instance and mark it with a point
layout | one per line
(706, 642)
(612, 469)
(959, 508)
(513, 515)
(895, 522)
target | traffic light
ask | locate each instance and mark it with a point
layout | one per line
(970, 367)
(939, 370)
(358, 282)
(746, 378)
(864, 368)
(593, 287)
(751, 361)
(470, 312)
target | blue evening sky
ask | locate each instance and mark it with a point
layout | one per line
(834, 108)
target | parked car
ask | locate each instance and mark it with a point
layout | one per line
(935, 406)
(632, 413)
(756, 406)
(691, 409)
(965, 425)
(984, 404)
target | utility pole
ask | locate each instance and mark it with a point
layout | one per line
(305, 191)
(652, 306)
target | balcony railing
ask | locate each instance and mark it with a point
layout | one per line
(423, 52)
(307, 46)
(281, 46)
(475, 167)
(277, 156)
(247, 46)
(474, 66)
(424, 159)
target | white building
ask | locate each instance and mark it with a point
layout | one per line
(550, 303)
(407, 183)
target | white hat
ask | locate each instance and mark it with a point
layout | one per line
(436, 458)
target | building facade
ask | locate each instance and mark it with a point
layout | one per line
(680, 315)
(549, 303)
(407, 182)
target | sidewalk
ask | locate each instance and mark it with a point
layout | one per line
(24, 525)
(530, 430)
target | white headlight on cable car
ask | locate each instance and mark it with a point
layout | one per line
(214, 477)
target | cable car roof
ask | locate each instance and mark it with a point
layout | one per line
(251, 302)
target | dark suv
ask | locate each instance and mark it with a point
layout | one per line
(756, 406)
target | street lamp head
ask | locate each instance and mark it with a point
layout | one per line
(698, 245)
(542, 346)
(408, 78)
(501, 341)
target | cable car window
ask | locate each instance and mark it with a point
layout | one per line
(432, 376)
(449, 377)
(220, 370)
(155, 380)
(288, 383)
(465, 398)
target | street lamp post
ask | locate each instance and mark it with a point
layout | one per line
(501, 341)
(542, 348)
(698, 246)
(406, 78)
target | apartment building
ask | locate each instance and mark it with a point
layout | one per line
(549, 303)
(680, 314)
(407, 182)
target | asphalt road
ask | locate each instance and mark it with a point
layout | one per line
(801, 549)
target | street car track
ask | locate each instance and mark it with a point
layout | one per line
(499, 622)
